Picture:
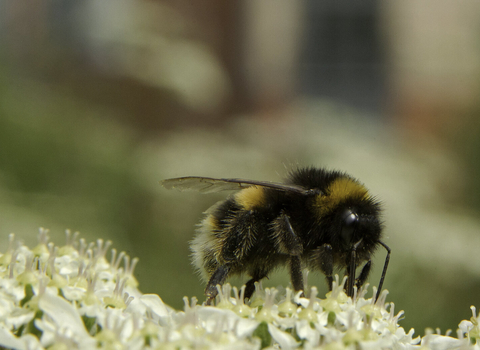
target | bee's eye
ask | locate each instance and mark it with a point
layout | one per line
(349, 223)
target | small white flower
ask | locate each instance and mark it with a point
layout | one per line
(19, 317)
(9, 341)
(66, 319)
(73, 297)
(307, 332)
(285, 340)
(160, 312)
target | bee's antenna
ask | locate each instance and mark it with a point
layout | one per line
(387, 259)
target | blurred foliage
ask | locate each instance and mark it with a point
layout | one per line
(64, 165)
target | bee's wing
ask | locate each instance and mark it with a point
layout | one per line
(209, 185)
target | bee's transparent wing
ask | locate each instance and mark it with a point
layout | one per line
(210, 185)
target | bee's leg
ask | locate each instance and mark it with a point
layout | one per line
(286, 239)
(364, 274)
(296, 273)
(218, 277)
(352, 267)
(325, 259)
(250, 288)
(288, 242)
(250, 285)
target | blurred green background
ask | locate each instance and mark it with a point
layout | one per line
(101, 99)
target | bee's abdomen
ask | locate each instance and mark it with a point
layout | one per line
(205, 246)
(230, 232)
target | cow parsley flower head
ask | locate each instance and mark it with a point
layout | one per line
(85, 296)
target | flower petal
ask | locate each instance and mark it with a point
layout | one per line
(285, 340)
(9, 341)
(65, 316)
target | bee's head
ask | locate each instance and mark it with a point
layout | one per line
(347, 213)
(358, 222)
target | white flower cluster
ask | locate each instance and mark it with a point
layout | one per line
(71, 297)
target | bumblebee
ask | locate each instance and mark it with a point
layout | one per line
(318, 219)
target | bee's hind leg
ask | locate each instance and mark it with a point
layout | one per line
(296, 274)
(218, 277)
(289, 243)
(250, 285)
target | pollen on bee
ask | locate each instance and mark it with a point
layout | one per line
(250, 197)
(338, 190)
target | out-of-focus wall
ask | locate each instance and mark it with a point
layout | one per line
(434, 63)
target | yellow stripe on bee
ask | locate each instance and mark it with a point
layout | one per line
(250, 197)
(338, 191)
